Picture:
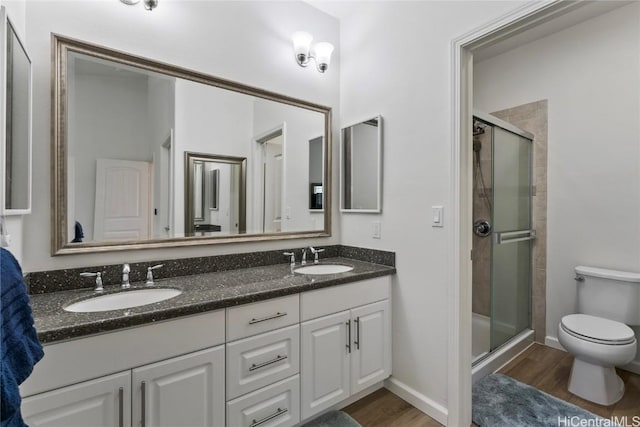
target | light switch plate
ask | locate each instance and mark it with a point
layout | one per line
(376, 229)
(437, 216)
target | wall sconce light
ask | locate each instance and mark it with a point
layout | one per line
(148, 4)
(321, 51)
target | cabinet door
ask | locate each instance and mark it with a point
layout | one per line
(103, 402)
(183, 391)
(371, 355)
(325, 362)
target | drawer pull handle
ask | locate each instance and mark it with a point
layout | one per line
(264, 319)
(121, 407)
(348, 323)
(270, 362)
(269, 417)
(357, 340)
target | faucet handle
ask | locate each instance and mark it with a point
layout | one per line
(292, 255)
(98, 276)
(149, 281)
(315, 253)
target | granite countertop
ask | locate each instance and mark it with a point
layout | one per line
(200, 293)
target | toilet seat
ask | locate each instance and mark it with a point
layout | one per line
(597, 329)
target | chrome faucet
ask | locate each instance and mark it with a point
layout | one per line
(315, 253)
(98, 276)
(125, 276)
(292, 259)
(150, 281)
(304, 256)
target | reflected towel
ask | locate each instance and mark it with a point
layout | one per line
(20, 346)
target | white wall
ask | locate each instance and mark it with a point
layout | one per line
(396, 61)
(117, 127)
(248, 42)
(300, 127)
(589, 73)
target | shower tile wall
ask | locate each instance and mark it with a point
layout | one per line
(532, 117)
(481, 267)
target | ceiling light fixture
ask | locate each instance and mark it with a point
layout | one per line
(148, 4)
(321, 52)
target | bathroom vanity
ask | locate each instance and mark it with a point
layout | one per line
(237, 348)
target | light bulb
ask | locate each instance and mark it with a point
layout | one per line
(301, 45)
(323, 51)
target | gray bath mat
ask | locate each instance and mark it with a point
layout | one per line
(333, 419)
(501, 401)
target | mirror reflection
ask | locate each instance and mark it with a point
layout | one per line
(152, 152)
(361, 166)
(17, 141)
(215, 195)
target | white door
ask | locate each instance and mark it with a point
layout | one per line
(183, 391)
(371, 356)
(325, 362)
(123, 200)
(104, 402)
(272, 182)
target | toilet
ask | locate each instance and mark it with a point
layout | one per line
(598, 336)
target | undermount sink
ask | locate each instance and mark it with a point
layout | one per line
(318, 269)
(125, 299)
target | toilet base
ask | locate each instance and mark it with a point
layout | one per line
(596, 383)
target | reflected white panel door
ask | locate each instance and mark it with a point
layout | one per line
(183, 391)
(325, 362)
(104, 402)
(371, 357)
(123, 200)
(272, 191)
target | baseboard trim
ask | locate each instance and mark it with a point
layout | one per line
(553, 342)
(417, 399)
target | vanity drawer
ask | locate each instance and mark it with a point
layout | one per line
(276, 405)
(252, 319)
(261, 360)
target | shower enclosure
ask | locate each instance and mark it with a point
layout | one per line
(501, 256)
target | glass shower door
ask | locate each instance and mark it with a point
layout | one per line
(512, 236)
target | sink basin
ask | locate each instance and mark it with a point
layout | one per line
(120, 300)
(317, 269)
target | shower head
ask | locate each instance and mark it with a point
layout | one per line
(478, 127)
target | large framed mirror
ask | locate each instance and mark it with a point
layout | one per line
(361, 167)
(148, 154)
(16, 122)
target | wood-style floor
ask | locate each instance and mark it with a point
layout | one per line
(548, 370)
(383, 408)
(543, 367)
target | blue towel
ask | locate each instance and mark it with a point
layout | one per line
(21, 349)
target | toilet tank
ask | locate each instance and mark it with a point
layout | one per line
(611, 294)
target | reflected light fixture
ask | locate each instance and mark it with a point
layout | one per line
(321, 52)
(148, 4)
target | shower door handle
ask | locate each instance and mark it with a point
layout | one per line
(500, 238)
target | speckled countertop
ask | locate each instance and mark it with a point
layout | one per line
(200, 293)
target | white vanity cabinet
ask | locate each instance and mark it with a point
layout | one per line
(263, 363)
(276, 362)
(343, 353)
(183, 391)
(73, 385)
(101, 402)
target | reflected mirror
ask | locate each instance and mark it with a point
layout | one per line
(17, 124)
(152, 155)
(215, 195)
(361, 167)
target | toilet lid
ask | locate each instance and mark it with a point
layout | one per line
(597, 329)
